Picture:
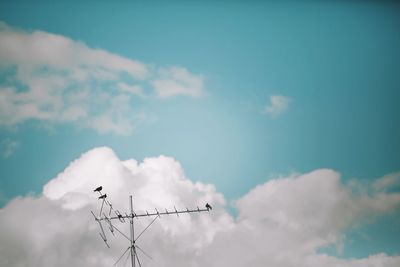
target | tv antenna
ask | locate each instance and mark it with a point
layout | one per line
(116, 215)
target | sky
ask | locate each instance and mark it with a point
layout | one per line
(283, 114)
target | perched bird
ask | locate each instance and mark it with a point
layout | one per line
(208, 206)
(103, 196)
(98, 189)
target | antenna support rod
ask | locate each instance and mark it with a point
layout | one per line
(133, 252)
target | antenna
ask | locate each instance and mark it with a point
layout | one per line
(133, 247)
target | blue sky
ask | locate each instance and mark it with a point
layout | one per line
(334, 64)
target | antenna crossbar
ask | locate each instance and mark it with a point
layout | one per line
(134, 215)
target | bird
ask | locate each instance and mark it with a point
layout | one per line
(98, 189)
(103, 196)
(208, 206)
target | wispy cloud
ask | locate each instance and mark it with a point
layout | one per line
(277, 105)
(8, 147)
(178, 81)
(55, 79)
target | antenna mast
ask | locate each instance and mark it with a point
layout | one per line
(115, 215)
(133, 251)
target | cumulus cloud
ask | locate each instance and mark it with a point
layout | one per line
(278, 104)
(52, 78)
(280, 223)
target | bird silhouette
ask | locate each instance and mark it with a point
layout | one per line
(103, 196)
(208, 206)
(98, 189)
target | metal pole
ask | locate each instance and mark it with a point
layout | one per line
(132, 235)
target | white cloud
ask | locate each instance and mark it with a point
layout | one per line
(280, 223)
(133, 89)
(51, 78)
(278, 105)
(178, 81)
(9, 147)
(387, 181)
